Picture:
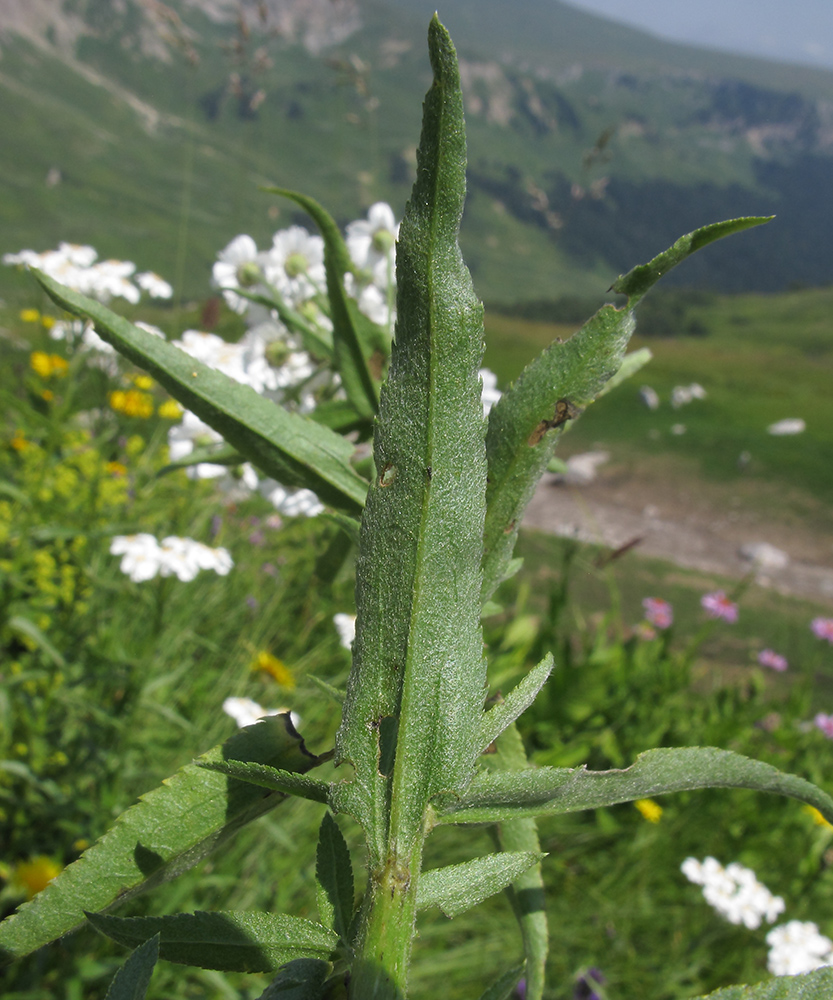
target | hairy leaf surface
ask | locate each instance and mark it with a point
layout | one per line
(167, 832)
(493, 797)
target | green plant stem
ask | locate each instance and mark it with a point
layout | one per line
(383, 946)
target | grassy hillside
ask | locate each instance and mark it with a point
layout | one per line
(592, 146)
(761, 359)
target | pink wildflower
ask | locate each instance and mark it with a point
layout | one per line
(769, 658)
(825, 724)
(718, 605)
(823, 628)
(658, 612)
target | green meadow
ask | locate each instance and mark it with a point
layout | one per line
(113, 684)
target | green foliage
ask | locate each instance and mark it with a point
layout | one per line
(437, 536)
(133, 978)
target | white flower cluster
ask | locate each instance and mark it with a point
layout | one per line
(143, 557)
(797, 947)
(346, 627)
(734, 891)
(78, 268)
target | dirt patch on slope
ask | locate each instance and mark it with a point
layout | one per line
(695, 524)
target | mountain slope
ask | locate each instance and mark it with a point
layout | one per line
(146, 128)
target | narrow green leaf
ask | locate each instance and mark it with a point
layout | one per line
(502, 988)
(21, 625)
(340, 415)
(526, 894)
(528, 419)
(526, 422)
(418, 655)
(332, 692)
(300, 979)
(292, 448)
(334, 875)
(229, 942)
(167, 832)
(133, 978)
(816, 985)
(631, 364)
(458, 888)
(349, 525)
(277, 779)
(350, 351)
(503, 795)
(505, 712)
(639, 279)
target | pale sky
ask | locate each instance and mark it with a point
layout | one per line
(790, 30)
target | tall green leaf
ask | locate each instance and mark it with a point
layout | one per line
(167, 832)
(554, 388)
(295, 450)
(230, 942)
(334, 875)
(506, 711)
(493, 797)
(300, 979)
(504, 987)
(413, 708)
(133, 978)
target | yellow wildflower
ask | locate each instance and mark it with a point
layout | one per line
(48, 395)
(143, 382)
(132, 403)
(19, 442)
(170, 410)
(816, 816)
(47, 322)
(47, 365)
(35, 875)
(649, 809)
(81, 844)
(275, 668)
(116, 469)
(30, 315)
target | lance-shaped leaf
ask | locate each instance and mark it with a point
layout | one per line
(526, 894)
(167, 832)
(292, 448)
(816, 985)
(278, 780)
(133, 978)
(415, 695)
(554, 388)
(301, 979)
(505, 712)
(639, 279)
(350, 348)
(503, 795)
(334, 875)
(504, 987)
(458, 888)
(229, 942)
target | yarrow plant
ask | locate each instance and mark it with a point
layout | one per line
(795, 948)
(435, 511)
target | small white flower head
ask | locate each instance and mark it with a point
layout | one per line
(236, 267)
(783, 428)
(295, 264)
(247, 712)
(141, 555)
(346, 627)
(372, 241)
(189, 434)
(649, 397)
(156, 287)
(489, 394)
(295, 503)
(734, 892)
(797, 947)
